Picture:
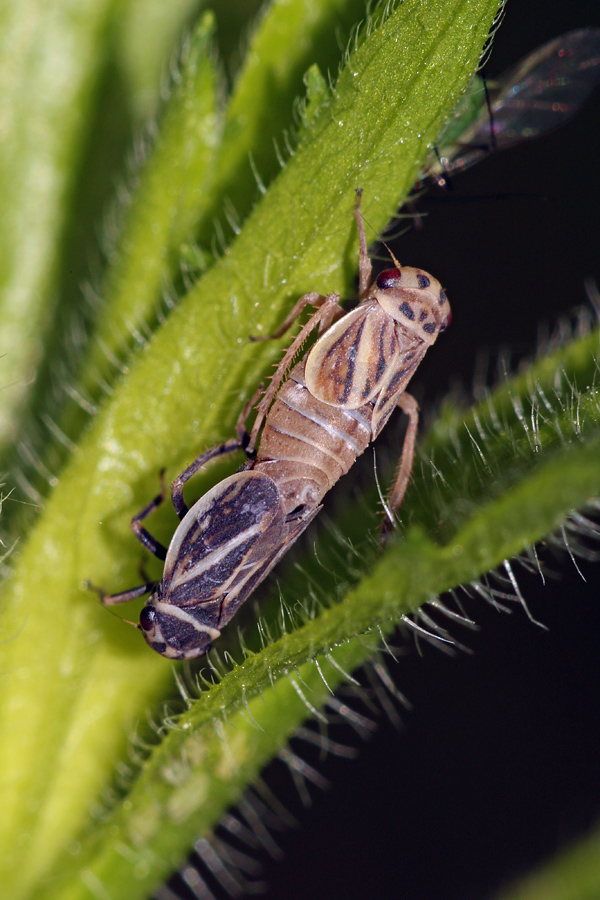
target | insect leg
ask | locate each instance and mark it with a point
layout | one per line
(123, 596)
(364, 263)
(143, 536)
(177, 486)
(409, 406)
(240, 428)
(313, 299)
(328, 308)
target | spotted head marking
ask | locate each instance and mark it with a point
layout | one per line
(414, 299)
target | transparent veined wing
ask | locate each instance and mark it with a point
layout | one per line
(536, 96)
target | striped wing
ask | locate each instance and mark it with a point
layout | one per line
(223, 542)
(411, 355)
(349, 364)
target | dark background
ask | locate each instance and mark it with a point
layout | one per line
(496, 766)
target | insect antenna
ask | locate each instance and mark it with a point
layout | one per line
(127, 621)
(395, 261)
(92, 587)
(380, 240)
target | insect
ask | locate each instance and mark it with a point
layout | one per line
(311, 425)
(533, 98)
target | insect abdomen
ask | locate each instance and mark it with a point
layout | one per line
(307, 445)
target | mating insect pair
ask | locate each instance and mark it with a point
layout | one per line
(311, 425)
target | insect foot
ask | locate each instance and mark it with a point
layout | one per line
(312, 423)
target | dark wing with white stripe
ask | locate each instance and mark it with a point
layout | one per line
(223, 542)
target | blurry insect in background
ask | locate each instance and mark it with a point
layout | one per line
(311, 425)
(533, 98)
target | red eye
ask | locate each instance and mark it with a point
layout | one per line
(389, 279)
(147, 618)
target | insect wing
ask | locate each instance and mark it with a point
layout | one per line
(267, 560)
(222, 543)
(539, 94)
(350, 362)
(395, 385)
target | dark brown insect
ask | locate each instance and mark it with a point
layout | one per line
(311, 425)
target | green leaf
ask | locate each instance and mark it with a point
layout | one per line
(572, 875)
(66, 103)
(145, 34)
(46, 104)
(164, 209)
(77, 679)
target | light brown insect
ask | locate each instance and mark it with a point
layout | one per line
(311, 425)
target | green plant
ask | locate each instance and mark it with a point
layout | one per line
(76, 680)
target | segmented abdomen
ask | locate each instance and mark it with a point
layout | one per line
(306, 445)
